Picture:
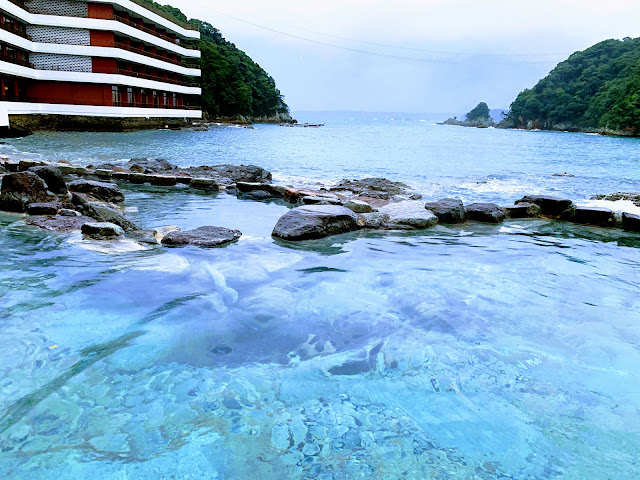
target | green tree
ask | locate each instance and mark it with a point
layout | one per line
(232, 83)
(594, 88)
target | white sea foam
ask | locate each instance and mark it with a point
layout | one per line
(514, 229)
(617, 206)
(511, 186)
(111, 247)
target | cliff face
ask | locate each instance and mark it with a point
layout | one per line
(595, 90)
(232, 83)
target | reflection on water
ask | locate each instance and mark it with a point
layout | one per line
(459, 352)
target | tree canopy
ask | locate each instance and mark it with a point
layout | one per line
(480, 113)
(598, 88)
(232, 83)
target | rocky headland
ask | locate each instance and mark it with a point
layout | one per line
(63, 197)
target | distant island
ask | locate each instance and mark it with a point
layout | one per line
(595, 90)
(234, 87)
(480, 117)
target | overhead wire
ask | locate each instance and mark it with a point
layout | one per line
(394, 56)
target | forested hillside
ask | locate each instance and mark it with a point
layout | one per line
(596, 89)
(232, 83)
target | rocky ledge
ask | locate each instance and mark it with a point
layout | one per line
(65, 203)
(65, 197)
(318, 221)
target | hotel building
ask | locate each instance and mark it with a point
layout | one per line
(108, 59)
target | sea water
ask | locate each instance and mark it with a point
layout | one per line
(472, 351)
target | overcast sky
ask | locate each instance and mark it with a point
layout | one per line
(510, 46)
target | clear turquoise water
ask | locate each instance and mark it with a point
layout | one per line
(473, 352)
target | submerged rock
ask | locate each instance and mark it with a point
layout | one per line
(102, 230)
(52, 177)
(315, 221)
(143, 236)
(614, 197)
(408, 215)
(21, 189)
(202, 237)
(522, 210)
(448, 210)
(485, 212)
(631, 222)
(59, 223)
(550, 206)
(372, 187)
(358, 206)
(601, 217)
(108, 192)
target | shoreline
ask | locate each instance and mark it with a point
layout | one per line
(559, 129)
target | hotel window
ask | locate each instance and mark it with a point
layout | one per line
(164, 99)
(129, 96)
(174, 101)
(115, 95)
(155, 98)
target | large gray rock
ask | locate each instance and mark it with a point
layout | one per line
(373, 221)
(410, 215)
(485, 212)
(372, 187)
(448, 210)
(102, 230)
(150, 165)
(550, 206)
(44, 208)
(227, 174)
(202, 237)
(522, 210)
(600, 217)
(315, 221)
(102, 211)
(108, 192)
(52, 177)
(21, 189)
(631, 222)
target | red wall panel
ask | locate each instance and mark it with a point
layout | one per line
(70, 93)
(104, 65)
(102, 39)
(100, 10)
